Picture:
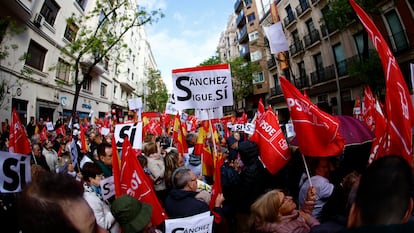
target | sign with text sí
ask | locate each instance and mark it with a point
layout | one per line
(15, 172)
(131, 130)
(202, 87)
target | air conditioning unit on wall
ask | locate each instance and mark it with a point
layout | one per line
(38, 20)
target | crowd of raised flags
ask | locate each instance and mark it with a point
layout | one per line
(317, 132)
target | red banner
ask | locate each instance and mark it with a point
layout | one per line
(398, 105)
(18, 141)
(274, 150)
(317, 132)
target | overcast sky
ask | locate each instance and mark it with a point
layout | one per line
(188, 34)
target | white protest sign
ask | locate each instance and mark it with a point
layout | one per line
(14, 172)
(202, 87)
(135, 104)
(132, 130)
(249, 128)
(238, 127)
(170, 106)
(290, 130)
(107, 187)
(206, 114)
(200, 223)
(49, 126)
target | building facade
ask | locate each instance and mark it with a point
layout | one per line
(41, 85)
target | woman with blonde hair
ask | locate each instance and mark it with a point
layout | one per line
(276, 212)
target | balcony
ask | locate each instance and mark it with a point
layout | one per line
(20, 9)
(296, 47)
(276, 91)
(323, 75)
(302, 81)
(240, 20)
(245, 50)
(238, 5)
(242, 35)
(311, 38)
(399, 41)
(271, 63)
(314, 2)
(302, 7)
(289, 19)
(324, 28)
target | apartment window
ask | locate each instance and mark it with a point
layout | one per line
(70, 32)
(295, 35)
(318, 62)
(49, 11)
(258, 77)
(101, 16)
(132, 77)
(301, 69)
(289, 12)
(36, 55)
(340, 59)
(359, 42)
(253, 36)
(106, 63)
(256, 55)
(310, 26)
(63, 70)
(323, 98)
(87, 84)
(82, 3)
(103, 89)
(251, 18)
(399, 40)
(3, 28)
(115, 90)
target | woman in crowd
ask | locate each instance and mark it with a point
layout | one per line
(275, 212)
(92, 175)
(157, 167)
(173, 160)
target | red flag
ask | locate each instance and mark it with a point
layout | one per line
(61, 130)
(216, 189)
(271, 141)
(116, 169)
(242, 119)
(368, 112)
(317, 132)
(135, 183)
(260, 109)
(398, 105)
(43, 134)
(378, 147)
(18, 141)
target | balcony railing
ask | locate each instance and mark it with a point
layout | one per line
(302, 81)
(312, 37)
(399, 41)
(302, 7)
(271, 63)
(323, 75)
(324, 28)
(238, 5)
(289, 19)
(276, 90)
(296, 47)
(242, 34)
(240, 20)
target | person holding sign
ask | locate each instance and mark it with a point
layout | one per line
(92, 175)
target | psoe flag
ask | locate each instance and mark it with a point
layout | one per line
(202, 87)
(277, 38)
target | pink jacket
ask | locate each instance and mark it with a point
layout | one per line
(293, 223)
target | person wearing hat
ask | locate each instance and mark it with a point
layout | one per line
(132, 215)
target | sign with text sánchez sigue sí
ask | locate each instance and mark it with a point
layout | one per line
(202, 87)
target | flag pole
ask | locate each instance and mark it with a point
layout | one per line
(307, 170)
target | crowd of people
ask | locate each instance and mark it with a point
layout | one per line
(65, 195)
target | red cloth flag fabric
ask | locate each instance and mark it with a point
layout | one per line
(43, 134)
(61, 130)
(398, 104)
(216, 188)
(242, 119)
(260, 109)
(116, 169)
(368, 112)
(317, 132)
(134, 183)
(179, 134)
(18, 141)
(203, 146)
(378, 147)
(268, 135)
